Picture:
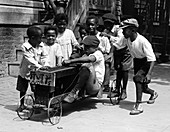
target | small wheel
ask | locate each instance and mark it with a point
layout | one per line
(114, 100)
(54, 110)
(28, 110)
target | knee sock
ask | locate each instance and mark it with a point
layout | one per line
(118, 80)
(138, 92)
(147, 90)
(125, 79)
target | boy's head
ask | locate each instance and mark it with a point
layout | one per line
(34, 34)
(91, 44)
(129, 27)
(83, 30)
(92, 24)
(50, 33)
(61, 21)
(109, 21)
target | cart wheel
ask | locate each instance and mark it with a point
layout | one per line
(113, 100)
(28, 111)
(54, 110)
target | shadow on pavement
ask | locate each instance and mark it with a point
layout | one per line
(83, 105)
(11, 107)
(127, 105)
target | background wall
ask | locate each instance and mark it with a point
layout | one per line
(16, 16)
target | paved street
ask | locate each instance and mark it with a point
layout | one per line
(92, 114)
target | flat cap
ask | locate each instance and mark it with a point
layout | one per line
(91, 40)
(129, 22)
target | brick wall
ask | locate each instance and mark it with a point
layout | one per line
(11, 39)
(16, 16)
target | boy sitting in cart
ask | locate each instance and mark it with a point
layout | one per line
(91, 74)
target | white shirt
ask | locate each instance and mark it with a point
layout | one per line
(119, 42)
(67, 41)
(99, 66)
(104, 44)
(54, 51)
(141, 48)
(37, 57)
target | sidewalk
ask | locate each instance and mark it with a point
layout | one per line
(92, 114)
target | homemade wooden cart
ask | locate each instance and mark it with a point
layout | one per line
(49, 88)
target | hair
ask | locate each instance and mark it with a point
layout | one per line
(46, 29)
(92, 17)
(33, 31)
(60, 16)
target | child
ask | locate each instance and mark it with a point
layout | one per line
(122, 57)
(65, 37)
(144, 59)
(34, 55)
(53, 7)
(91, 74)
(83, 33)
(53, 49)
(104, 46)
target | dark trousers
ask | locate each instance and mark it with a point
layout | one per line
(83, 77)
(141, 67)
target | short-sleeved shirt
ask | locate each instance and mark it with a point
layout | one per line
(104, 44)
(37, 57)
(141, 48)
(67, 41)
(54, 51)
(99, 66)
(119, 42)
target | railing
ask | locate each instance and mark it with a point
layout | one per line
(76, 11)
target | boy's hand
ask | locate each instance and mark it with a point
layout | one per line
(147, 79)
(66, 62)
(44, 68)
(104, 34)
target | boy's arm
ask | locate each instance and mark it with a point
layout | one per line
(45, 58)
(148, 76)
(29, 56)
(59, 61)
(84, 59)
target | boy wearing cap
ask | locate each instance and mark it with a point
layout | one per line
(144, 59)
(104, 45)
(91, 74)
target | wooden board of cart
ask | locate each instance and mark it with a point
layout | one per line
(48, 77)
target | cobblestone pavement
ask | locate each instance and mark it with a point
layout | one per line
(92, 114)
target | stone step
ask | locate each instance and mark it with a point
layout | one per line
(13, 68)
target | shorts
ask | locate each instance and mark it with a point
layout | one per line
(22, 84)
(123, 60)
(93, 85)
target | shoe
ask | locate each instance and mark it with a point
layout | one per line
(106, 89)
(113, 94)
(137, 109)
(152, 98)
(123, 95)
(21, 108)
(71, 97)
